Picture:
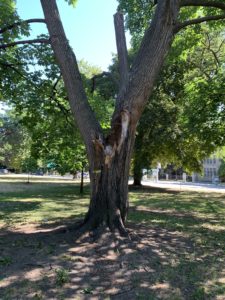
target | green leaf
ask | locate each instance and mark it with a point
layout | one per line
(72, 2)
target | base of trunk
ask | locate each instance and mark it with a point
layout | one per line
(84, 227)
(97, 222)
(137, 182)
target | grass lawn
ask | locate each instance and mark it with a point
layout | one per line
(176, 250)
(41, 201)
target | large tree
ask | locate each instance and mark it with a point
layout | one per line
(109, 154)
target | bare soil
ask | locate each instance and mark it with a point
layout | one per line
(48, 263)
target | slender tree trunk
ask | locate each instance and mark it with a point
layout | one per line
(82, 181)
(137, 176)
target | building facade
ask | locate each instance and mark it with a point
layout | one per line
(210, 170)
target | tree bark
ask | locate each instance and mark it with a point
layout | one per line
(121, 49)
(109, 189)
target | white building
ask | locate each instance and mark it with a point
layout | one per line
(210, 169)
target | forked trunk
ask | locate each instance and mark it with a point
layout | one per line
(109, 157)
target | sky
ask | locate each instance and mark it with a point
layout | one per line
(89, 27)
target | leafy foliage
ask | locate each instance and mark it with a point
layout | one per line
(72, 2)
(14, 142)
(40, 103)
(183, 121)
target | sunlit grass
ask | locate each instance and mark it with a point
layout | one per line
(40, 202)
(184, 206)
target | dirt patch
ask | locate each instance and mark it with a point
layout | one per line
(51, 264)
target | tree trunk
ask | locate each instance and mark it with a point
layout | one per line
(82, 181)
(137, 179)
(109, 189)
(109, 157)
(137, 170)
(109, 198)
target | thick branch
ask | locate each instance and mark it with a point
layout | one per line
(11, 26)
(86, 120)
(198, 21)
(34, 41)
(121, 48)
(150, 57)
(206, 3)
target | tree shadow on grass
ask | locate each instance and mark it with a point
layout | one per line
(9, 210)
(156, 263)
(150, 189)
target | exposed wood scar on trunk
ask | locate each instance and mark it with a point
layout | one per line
(115, 139)
(125, 117)
(117, 136)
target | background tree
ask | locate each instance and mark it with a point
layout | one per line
(184, 120)
(14, 142)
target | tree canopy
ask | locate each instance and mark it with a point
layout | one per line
(184, 120)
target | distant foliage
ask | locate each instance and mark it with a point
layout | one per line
(221, 170)
(72, 2)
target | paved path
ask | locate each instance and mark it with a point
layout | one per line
(206, 187)
(175, 185)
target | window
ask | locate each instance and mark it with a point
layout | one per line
(206, 172)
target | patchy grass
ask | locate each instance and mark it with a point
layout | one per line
(42, 202)
(176, 251)
(198, 217)
(195, 214)
(62, 277)
(5, 261)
